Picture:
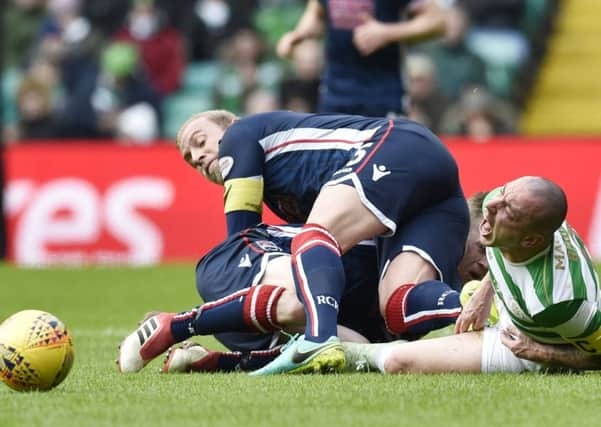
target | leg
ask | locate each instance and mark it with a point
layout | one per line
(251, 309)
(339, 209)
(455, 353)
(248, 310)
(337, 222)
(339, 218)
(420, 303)
(418, 290)
(192, 357)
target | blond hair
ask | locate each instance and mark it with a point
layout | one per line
(221, 118)
(475, 206)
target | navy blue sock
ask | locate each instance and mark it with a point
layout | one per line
(181, 325)
(248, 310)
(319, 279)
(415, 310)
(226, 361)
(258, 358)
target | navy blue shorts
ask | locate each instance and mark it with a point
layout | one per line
(409, 180)
(240, 262)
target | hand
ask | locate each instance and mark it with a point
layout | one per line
(521, 345)
(286, 44)
(475, 313)
(370, 35)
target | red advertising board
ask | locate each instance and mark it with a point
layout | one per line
(106, 203)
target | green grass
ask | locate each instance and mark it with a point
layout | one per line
(102, 305)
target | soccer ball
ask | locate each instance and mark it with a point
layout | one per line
(36, 352)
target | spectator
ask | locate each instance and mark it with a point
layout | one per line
(22, 23)
(426, 103)
(161, 45)
(122, 85)
(211, 22)
(300, 90)
(34, 104)
(496, 37)
(65, 24)
(42, 78)
(363, 60)
(479, 116)
(245, 69)
(260, 101)
(69, 42)
(137, 124)
(106, 15)
(456, 65)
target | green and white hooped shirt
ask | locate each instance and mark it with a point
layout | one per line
(553, 297)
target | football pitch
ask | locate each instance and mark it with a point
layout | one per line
(102, 305)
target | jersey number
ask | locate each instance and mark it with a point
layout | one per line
(359, 154)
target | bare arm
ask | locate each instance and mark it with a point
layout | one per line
(476, 311)
(566, 356)
(310, 25)
(428, 21)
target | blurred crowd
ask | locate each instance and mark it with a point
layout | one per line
(135, 70)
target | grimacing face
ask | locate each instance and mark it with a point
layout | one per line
(199, 145)
(507, 212)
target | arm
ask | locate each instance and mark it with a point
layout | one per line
(243, 203)
(427, 21)
(557, 355)
(477, 310)
(239, 220)
(311, 25)
(241, 161)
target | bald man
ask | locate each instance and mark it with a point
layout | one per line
(542, 275)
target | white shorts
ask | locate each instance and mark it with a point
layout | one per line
(496, 357)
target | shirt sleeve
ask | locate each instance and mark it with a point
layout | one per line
(240, 220)
(241, 161)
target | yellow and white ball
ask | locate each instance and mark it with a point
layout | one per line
(36, 351)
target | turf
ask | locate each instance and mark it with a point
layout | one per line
(101, 305)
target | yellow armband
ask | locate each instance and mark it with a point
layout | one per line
(590, 344)
(243, 194)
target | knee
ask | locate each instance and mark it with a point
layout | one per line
(414, 310)
(290, 311)
(393, 309)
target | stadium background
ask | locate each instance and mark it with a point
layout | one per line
(93, 93)
(85, 188)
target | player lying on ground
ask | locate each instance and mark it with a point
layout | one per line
(247, 319)
(350, 178)
(546, 287)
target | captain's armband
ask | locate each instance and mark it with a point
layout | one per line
(244, 194)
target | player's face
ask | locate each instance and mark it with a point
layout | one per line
(473, 265)
(199, 145)
(506, 215)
